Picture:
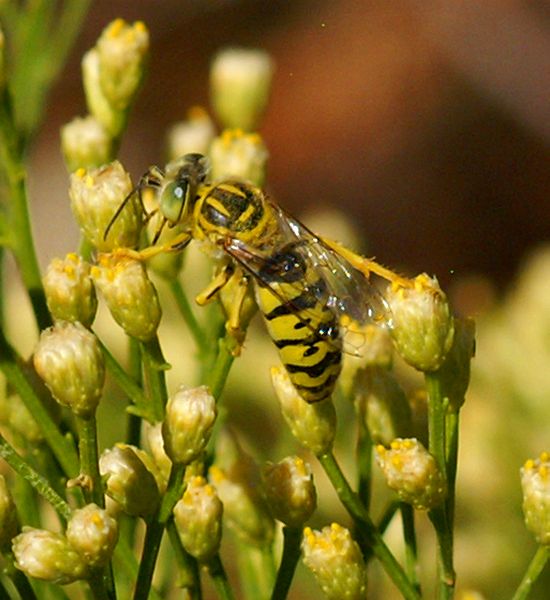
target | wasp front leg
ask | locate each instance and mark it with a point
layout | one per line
(176, 244)
(233, 288)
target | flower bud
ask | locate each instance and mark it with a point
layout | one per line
(535, 483)
(240, 80)
(198, 519)
(70, 293)
(123, 52)
(96, 195)
(69, 360)
(190, 416)
(289, 490)
(153, 434)
(194, 135)
(128, 481)
(48, 556)
(422, 323)
(313, 425)
(336, 561)
(412, 472)
(19, 419)
(382, 405)
(129, 294)
(93, 534)
(85, 144)
(235, 154)
(8, 516)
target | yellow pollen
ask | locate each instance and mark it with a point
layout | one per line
(116, 27)
(396, 462)
(139, 26)
(408, 444)
(543, 471)
(336, 528)
(216, 474)
(80, 173)
(96, 519)
(380, 449)
(395, 444)
(544, 456)
(529, 464)
(73, 257)
(89, 181)
(69, 270)
(95, 271)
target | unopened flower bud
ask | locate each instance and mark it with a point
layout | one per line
(422, 322)
(123, 52)
(93, 534)
(96, 195)
(412, 472)
(382, 405)
(194, 135)
(336, 562)
(8, 516)
(289, 490)
(69, 360)
(15, 415)
(48, 556)
(129, 294)
(240, 81)
(535, 483)
(70, 293)
(313, 425)
(198, 518)
(235, 154)
(190, 416)
(128, 481)
(85, 144)
(153, 434)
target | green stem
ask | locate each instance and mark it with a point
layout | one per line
(155, 530)
(36, 480)
(222, 366)
(291, 554)
(437, 410)
(188, 315)
(364, 463)
(124, 555)
(535, 568)
(366, 527)
(89, 465)
(411, 551)
(188, 576)
(63, 450)
(452, 434)
(154, 366)
(219, 578)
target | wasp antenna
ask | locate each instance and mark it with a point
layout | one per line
(119, 210)
(159, 231)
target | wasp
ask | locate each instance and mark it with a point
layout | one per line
(303, 284)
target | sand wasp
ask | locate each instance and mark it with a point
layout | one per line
(303, 283)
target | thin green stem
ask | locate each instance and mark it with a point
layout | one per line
(437, 409)
(222, 366)
(291, 554)
(452, 434)
(154, 366)
(364, 463)
(366, 527)
(89, 465)
(188, 576)
(36, 480)
(411, 551)
(62, 448)
(188, 315)
(534, 569)
(124, 556)
(219, 578)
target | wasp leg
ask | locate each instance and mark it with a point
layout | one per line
(175, 245)
(214, 286)
(367, 265)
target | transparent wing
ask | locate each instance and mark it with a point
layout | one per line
(346, 291)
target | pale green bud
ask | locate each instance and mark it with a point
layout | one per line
(535, 483)
(18, 418)
(70, 293)
(382, 405)
(190, 416)
(69, 360)
(123, 52)
(49, 556)
(422, 322)
(93, 534)
(129, 293)
(336, 562)
(96, 195)
(8, 516)
(194, 135)
(85, 143)
(313, 425)
(198, 519)
(412, 472)
(289, 490)
(238, 155)
(240, 81)
(153, 434)
(128, 481)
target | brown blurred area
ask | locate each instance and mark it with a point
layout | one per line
(427, 122)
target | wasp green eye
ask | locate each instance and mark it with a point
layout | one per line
(172, 201)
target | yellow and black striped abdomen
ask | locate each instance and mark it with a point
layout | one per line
(300, 324)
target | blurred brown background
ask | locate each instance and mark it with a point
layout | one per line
(426, 121)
